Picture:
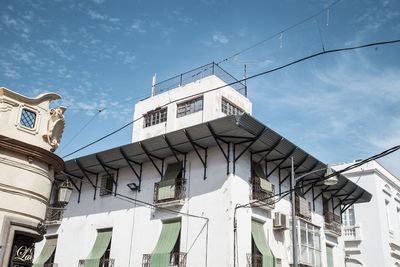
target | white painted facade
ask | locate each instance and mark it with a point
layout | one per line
(209, 240)
(372, 238)
(29, 133)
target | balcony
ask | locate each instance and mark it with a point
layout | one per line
(170, 195)
(303, 208)
(54, 214)
(176, 260)
(103, 263)
(254, 260)
(333, 224)
(351, 233)
(262, 195)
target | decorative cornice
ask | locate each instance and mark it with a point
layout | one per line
(33, 151)
(40, 98)
(24, 166)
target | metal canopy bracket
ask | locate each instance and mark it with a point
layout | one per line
(217, 139)
(283, 160)
(131, 166)
(105, 167)
(354, 201)
(79, 189)
(195, 147)
(174, 152)
(247, 147)
(85, 173)
(150, 157)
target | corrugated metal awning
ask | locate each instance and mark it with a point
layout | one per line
(263, 142)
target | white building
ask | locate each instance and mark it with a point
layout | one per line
(30, 132)
(177, 195)
(372, 230)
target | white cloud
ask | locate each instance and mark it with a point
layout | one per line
(137, 26)
(56, 48)
(95, 15)
(99, 2)
(220, 38)
(9, 70)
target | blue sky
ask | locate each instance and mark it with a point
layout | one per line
(102, 54)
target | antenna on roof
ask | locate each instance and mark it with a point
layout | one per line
(153, 86)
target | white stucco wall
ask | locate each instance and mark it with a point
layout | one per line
(136, 228)
(211, 106)
(378, 245)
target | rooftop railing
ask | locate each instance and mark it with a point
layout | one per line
(197, 74)
(54, 214)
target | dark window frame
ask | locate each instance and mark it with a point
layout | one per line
(106, 185)
(189, 107)
(155, 117)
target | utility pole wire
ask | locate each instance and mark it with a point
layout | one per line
(239, 81)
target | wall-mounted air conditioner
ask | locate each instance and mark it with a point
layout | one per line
(281, 221)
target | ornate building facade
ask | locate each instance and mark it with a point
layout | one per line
(30, 132)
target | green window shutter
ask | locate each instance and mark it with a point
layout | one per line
(329, 256)
(100, 245)
(166, 188)
(257, 231)
(265, 185)
(166, 242)
(47, 251)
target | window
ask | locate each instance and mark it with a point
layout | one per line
(106, 185)
(189, 107)
(155, 117)
(230, 109)
(348, 217)
(46, 257)
(309, 244)
(100, 253)
(387, 208)
(28, 118)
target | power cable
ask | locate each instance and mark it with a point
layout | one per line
(239, 81)
(280, 33)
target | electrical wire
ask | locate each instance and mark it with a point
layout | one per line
(280, 33)
(239, 81)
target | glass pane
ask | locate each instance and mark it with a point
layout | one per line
(303, 254)
(302, 224)
(310, 239)
(191, 107)
(199, 104)
(303, 237)
(317, 242)
(311, 255)
(310, 227)
(317, 258)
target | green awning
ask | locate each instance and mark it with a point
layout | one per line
(166, 242)
(166, 189)
(257, 231)
(47, 251)
(329, 256)
(167, 185)
(100, 245)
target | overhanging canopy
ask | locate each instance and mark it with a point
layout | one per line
(236, 129)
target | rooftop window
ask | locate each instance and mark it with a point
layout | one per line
(155, 117)
(230, 109)
(189, 107)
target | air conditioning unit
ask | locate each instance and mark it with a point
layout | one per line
(280, 221)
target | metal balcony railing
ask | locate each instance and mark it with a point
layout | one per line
(103, 263)
(259, 194)
(303, 208)
(333, 223)
(197, 74)
(176, 260)
(54, 214)
(179, 193)
(254, 260)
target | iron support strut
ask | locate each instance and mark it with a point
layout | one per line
(130, 162)
(195, 145)
(105, 168)
(217, 139)
(84, 172)
(69, 175)
(150, 157)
